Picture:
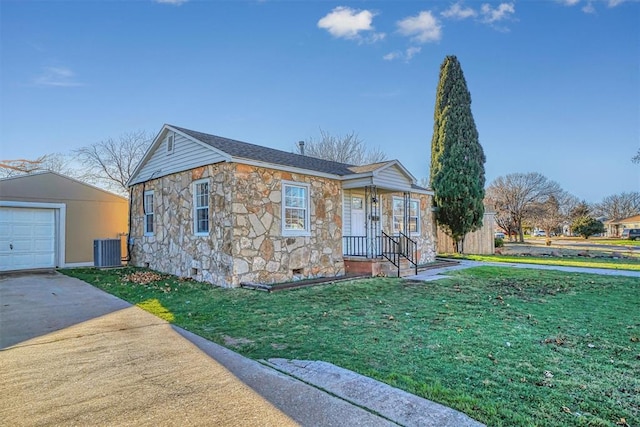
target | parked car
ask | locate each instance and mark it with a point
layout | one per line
(500, 235)
(631, 233)
(539, 233)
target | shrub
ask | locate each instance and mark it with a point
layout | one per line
(499, 242)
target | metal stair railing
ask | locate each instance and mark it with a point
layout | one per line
(390, 250)
(409, 249)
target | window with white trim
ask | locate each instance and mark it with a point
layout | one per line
(201, 207)
(398, 216)
(148, 212)
(295, 208)
(414, 216)
(170, 143)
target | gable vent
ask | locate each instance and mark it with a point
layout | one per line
(170, 144)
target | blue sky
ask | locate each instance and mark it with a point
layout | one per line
(555, 84)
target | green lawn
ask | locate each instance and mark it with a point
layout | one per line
(617, 264)
(508, 347)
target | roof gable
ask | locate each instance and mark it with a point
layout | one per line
(243, 150)
(52, 185)
(215, 149)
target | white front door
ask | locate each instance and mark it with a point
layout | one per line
(357, 217)
(27, 238)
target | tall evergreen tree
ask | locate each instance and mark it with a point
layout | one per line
(457, 158)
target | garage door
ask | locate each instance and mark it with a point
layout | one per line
(27, 238)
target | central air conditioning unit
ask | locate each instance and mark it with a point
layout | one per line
(107, 253)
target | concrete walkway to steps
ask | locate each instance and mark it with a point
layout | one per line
(439, 273)
(72, 354)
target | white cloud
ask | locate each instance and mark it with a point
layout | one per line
(406, 56)
(422, 28)
(456, 11)
(57, 76)
(347, 23)
(411, 52)
(500, 13)
(392, 55)
(614, 3)
(173, 2)
(589, 7)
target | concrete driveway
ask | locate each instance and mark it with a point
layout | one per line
(71, 354)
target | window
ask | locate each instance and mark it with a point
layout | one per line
(148, 212)
(398, 216)
(201, 207)
(170, 144)
(295, 209)
(356, 203)
(414, 216)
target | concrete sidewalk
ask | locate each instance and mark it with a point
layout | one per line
(439, 273)
(74, 355)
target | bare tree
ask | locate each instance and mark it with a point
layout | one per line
(112, 161)
(636, 158)
(551, 214)
(54, 162)
(349, 149)
(516, 195)
(618, 206)
(10, 168)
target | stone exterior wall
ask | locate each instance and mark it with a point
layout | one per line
(426, 241)
(245, 242)
(174, 248)
(261, 253)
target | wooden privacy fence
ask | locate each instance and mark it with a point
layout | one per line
(479, 242)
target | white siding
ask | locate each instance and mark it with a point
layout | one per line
(392, 178)
(186, 155)
(346, 213)
(357, 182)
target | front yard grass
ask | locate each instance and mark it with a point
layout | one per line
(508, 347)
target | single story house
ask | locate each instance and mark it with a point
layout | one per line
(229, 212)
(613, 228)
(48, 220)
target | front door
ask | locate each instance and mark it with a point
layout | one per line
(357, 217)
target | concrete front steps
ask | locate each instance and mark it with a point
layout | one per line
(383, 267)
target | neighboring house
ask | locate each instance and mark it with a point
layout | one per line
(613, 228)
(48, 220)
(228, 212)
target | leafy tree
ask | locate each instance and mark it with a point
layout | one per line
(587, 226)
(457, 158)
(516, 196)
(349, 149)
(112, 161)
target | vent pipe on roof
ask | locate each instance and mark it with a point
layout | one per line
(301, 146)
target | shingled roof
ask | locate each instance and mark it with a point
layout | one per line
(244, 150)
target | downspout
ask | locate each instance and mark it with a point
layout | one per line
(129, 240)
(129, 245)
